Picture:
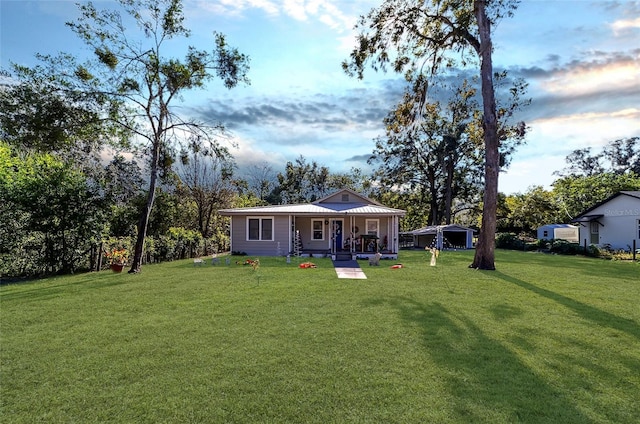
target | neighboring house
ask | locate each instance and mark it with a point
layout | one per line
(566, 232)
(614, 222)
(442, 237)
(343, 225)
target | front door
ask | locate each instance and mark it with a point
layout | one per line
(336, 228)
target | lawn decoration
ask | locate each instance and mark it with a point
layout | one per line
(434, 255)
(307, 265)
(375, 260)
(255, 263)
(397, 266)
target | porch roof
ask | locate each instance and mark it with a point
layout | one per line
(316, 209)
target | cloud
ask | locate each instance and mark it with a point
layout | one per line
(625, 25)
(352, 109)
(324, 11)
(566, 133)
(236, 8)
(581, 87)
(585, 78)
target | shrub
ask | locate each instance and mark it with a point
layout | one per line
(543, 244)
(593, 251)
(565, 247)
(509, 241)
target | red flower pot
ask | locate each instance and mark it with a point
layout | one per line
(117, 267)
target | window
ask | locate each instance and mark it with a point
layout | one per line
(545, 233)
(345, 197)
(372, 226)
(595, 236)
(317, 229)
(259, 228)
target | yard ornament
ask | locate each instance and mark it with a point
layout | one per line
(434, 255)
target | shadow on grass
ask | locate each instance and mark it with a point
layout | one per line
(577, 264)
(38, 290)
(590, 313)
(487, 381)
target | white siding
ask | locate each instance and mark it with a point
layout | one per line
(619, 224)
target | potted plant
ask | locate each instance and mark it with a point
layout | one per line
(117, 259)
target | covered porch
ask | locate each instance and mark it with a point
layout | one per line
(345, 236)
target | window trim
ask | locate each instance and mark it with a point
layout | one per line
(313, 230)
(377, 221)
(261, 220)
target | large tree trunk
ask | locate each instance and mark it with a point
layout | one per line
(485, 249)
(143, 222)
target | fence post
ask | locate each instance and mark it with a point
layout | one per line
(634, 250)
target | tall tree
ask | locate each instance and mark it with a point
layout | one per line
(526, 212)
(408, 34)
(302, 181)
(575, 193)
(133, 72)
(54, 211)
(261, 179)
(622, 156)
(436, 157)
(40, 116)
(582, 162)
(205, 179)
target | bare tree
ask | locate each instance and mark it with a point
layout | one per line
(261, 179)
(206, 178)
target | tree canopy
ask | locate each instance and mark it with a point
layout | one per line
(140, 83)
(423, 38)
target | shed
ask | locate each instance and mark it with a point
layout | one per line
(566, 232)
(443, 236)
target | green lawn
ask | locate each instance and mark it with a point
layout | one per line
(545, 339)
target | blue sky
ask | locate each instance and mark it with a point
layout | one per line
(580, 57)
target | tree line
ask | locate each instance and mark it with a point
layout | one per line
(166, 176)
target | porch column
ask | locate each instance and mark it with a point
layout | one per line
(352, 235)
(292, 223)
(396, 235)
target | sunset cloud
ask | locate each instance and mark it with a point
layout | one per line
(588, 78)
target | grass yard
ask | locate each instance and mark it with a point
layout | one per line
(545, 339)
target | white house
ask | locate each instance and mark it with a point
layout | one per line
(614, 222)
(566, 232)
